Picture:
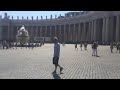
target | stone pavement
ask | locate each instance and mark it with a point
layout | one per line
(37, 63)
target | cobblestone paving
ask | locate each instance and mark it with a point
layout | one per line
(37, 63)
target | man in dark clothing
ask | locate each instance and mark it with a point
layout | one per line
(76, 46)
(85, 46)
(81, 46)
(118, 47)
(111, 47)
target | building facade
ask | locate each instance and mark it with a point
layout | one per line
(102, 26)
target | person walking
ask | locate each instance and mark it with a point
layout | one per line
(76, 46)
(94, 47)
(56, 55)
(118, 47)
(111, 47)
(85, 45)
(81, 46)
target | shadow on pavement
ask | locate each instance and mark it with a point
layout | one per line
(56, 76)
(97, 56)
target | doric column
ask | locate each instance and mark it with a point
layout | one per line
(103, 30)
(81, 31)
(60, 32)
(0, 32)
(50, 31)
(74, 35)
(8, 33)
(111, 29)
(95, 30)
(31, 35)
(37, 28)
(36, 31)
(78, 32)
(92, 30)
(64, 33)
(84, 31)
(55, 30)
(12, 33)
(40, 31)
(117, 28)
(88, 33)
(106, 31)
(69, 33)
(45, 31)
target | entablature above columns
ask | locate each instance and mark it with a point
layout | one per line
(77, 19)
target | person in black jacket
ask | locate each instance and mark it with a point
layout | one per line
(111, 47)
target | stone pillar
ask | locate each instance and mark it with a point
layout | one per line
(89, 31)
(17, 31)
(40, 31)
(55, 30)
(69, 33)
(81, 29)
(95, 30)
(74, 31)
(111, 29)
(32, 17)
(72, 34)
(69, 36)
(45, 31)
(117, 28)
(8, 33)
(36, 31)
(106, 31)
(32, 33)
(60, 33)
(78, 32)
(84, 31)
(37, 18)
(50, 31)
(0, 32)
(92, 30)
(64, 33)
(103, 30)
(12, 32)
(27, 17)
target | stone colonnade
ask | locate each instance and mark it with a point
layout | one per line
(105, 29)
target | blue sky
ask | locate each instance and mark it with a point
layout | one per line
(33, 13)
